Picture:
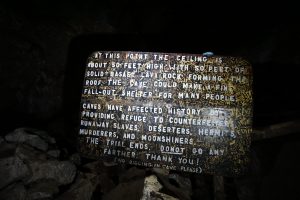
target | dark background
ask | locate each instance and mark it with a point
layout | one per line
(44, 44)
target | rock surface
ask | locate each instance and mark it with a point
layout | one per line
(177, 185)
(22, 135)
(152, 188)
(63, 172)
(30, 171)
(44, 189)
(55, 153)
(29, 154)
(12, 169)
(82, 189)
(27, 171)
(75, 158)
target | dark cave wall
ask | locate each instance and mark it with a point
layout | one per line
(40, 44)
(36, 41)
(34, 53)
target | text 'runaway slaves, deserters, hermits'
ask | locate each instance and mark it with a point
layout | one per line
(184, 112)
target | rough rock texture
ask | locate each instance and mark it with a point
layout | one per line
(61, 171)
(42, 134)
(44, 189)
(129, 183)
(27, 171)
(75, 158)
(34, 173)
(161, 171)
(183, 185)
(12, 169)
(22, 136)
(29, 154)
(152, 188)
(177, 184)
(83, 188)
(105, 175)
(55, 153)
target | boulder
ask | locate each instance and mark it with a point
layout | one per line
(55, 153)
(161, 171)
(63, 172)
(182, 182)
(28, 170)
(82, 189)
(21, 135)
(75, 158)
(152, 188)
(12, 169)
(177, 185)
(29, 154)
(44, 189)
(106, 175)
(42, 134)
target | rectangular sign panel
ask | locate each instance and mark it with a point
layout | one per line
(186, 112)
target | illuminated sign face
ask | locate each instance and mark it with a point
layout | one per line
(183, 112)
